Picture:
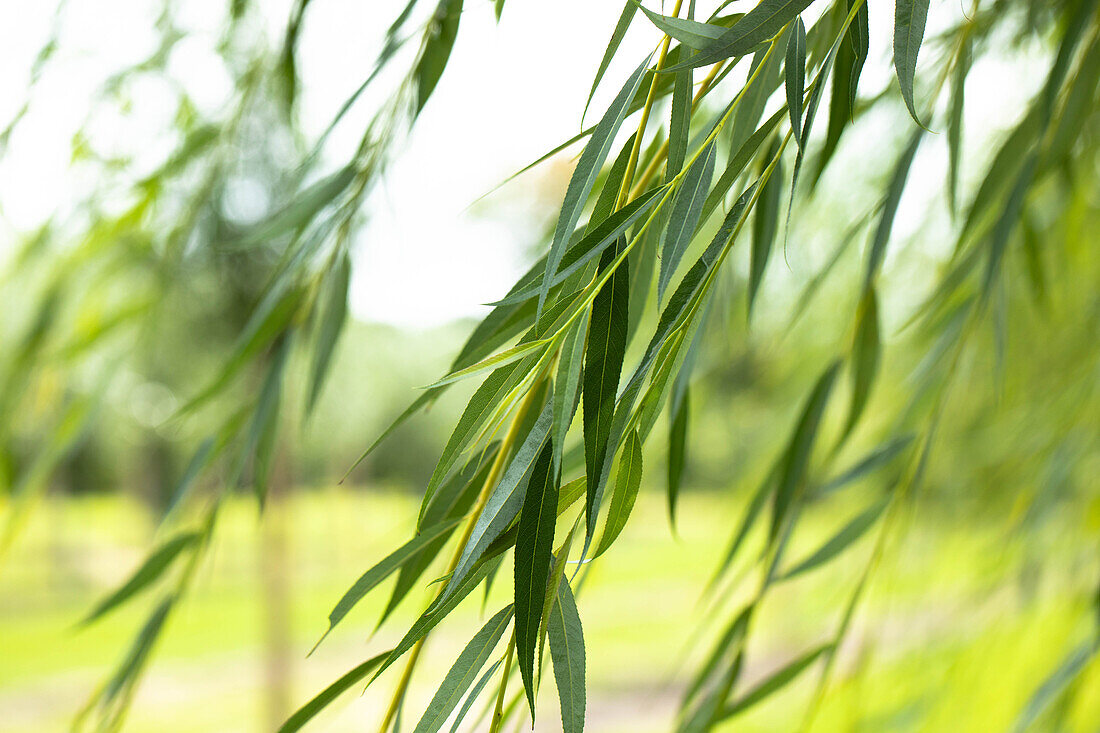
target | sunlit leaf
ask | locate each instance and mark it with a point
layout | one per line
(910, 17)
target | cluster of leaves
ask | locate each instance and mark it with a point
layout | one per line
(660, 219)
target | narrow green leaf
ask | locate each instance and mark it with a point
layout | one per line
(758, 25)
(738, 161)
(955, 120)
(308, 711)
(878, 457)
(382, 570)
(909, 20)
(472, 697)
(796, 459)
(841, 541)
(464, 671)
(567, 653)
(679, 124)
(131, 666)
(439, 610)
(1066, 672)
(261, 434)
(677, 448)
(585, 174)
(557, 572)
(627, 482)
(534, 543)
(504, 503)
(496, 360)
(621, 27)
(452, 501)
(567, 385)
(603, 357)
(594, 243)
(688, 32)
(890, 209)
(774, 682)
(1006, 224)
(748, 521)
(684, 218)
(866, 354)
(439, 39)
(153, 567)
(765, 224)
(333, 315)
(795, 77)
(753, 99)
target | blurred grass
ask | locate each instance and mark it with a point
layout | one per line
(965, 622)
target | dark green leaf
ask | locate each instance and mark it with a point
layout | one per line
(439, 39)
(307, 712)
(534, 543)
(621, 27)
(153, 567)
(567, 653)
(774, 682)
(795, 77)
(504, 502)
(567, 385)
(585, 174)
(628, 481)
(954, 121)
(462, 673)
(332, 322)
(765, 224)
(866, 353)
(368, 580)
(758, 25)
(841, 541)
(691, 33)
(890, 209)
(472, 697)
(603, 358)
(909, 19)
(677, 447)
(684, 219)
(796, 459)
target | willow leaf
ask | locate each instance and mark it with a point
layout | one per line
(758, 25)
(382, 570)
(765, 225)
(464, 671)
(677, 449)
(153, 567)
(955, 121)
(332, 322)
(621, 27)
(628, 480)
(890, 209)
(909, 20)
(308, 711)
(567, 653)
(534, 543)
(504, 504)
(497, 360)
(688, 32)
(1070, 669)
(841, 541)
(472, 697)
(438, 42)
(795, 77)
(774, 682)
(792, 470)
(567, 389)
(866, 354)
(878, 457)
(452, 501)
(593, 244)
(684, 219)
(585, 174)
(603, 357)
(439, 610)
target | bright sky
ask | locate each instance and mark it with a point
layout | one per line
(511, 92)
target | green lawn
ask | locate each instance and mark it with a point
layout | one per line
(961, 624)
